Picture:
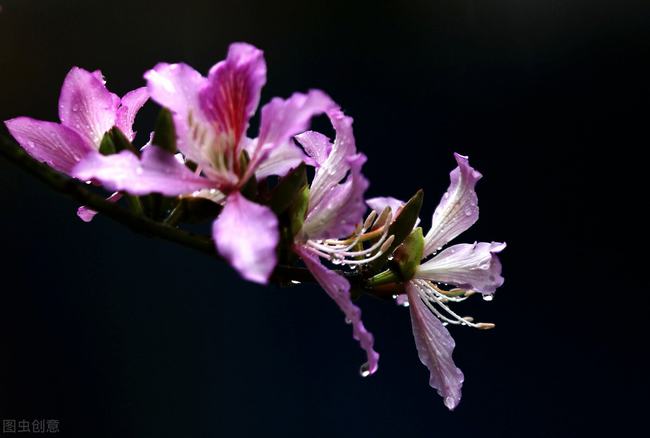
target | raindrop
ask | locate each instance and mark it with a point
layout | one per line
(139, 170)
(295, 282)
(445, 323)
(348, 320)
(488, 297)
(468, 212)
(364, 370)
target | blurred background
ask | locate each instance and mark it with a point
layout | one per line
(114, 334)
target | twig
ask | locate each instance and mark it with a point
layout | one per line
(76, 190)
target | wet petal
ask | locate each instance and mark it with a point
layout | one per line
(283, 118)
(435, 347)
(129, 107)
(341, 208)
(337, 164)
(157, 171)
(233, 91)
(177, 87)
(54, 144)
(246, 234)
(338, 288)
(468, 266)
(458, 208)
(317, 146)
(86, 106)
(280, 161)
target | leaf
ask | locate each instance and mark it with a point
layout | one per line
(164, 134)
(107, 147)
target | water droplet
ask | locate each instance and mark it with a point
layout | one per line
(138, 170)
(348, 320)
(468, 212)
(445, 323)
(75, 108)
(488, 297)
(295, 282)
(364, 370)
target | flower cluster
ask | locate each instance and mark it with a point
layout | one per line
(201, 160)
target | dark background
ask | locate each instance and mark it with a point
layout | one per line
(115, 334)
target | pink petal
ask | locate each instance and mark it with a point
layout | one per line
(342, 207)
(233, 91)
(317, 146)
(86, 106)
(282, 119)
(129, 107)
(458, 208)
(87, 214)
(177, 87)
(335, 207)
(378, 204)
(435, 347)
(246, 234)
(157, 171)
(58, 146)
(472, 266)
(338, 288)
(280, 161)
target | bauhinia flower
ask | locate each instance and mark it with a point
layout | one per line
(87, 111)
(470, 267)
(334, 208)
(211, 118)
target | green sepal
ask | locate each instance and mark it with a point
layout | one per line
(164, 134)
(249, 190)
(408, 255)
(288, 189)
(121, 142)
(401, 227)
(106, 146)
(298, 211)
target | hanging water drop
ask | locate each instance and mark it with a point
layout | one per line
(364, 370)
(295, 282)
(488, 297)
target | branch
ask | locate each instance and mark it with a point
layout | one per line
(76, 190)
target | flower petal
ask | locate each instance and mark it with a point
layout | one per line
(157, 171)
(338, 288)
(233, 91)
(380, 203)
(336, 166)
(317, 146)
(341, 208)
(58, 146)
(280, 161)
(435, 347)
(282, 119)
(177, 87)
(335, 208)
(129, 107)
(473, 266)
(86, 106)
(246, 234)
(87, 214)
(458, 208)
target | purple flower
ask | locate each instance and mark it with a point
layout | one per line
(470, 267)
(211, 117)
(87, 111)
(335, 208)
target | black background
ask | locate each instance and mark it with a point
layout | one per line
(115, 334)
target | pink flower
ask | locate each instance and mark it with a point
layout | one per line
(211, 118)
